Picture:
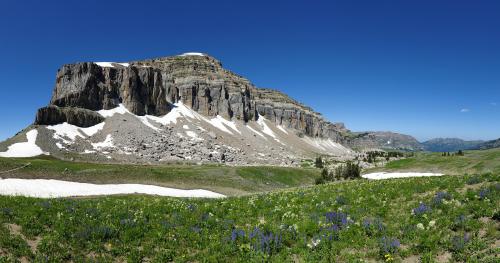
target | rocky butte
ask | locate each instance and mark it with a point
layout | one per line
(182, 108)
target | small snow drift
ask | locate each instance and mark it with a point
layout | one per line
(54, 188)
(110, 64)
(192, 54)
(24, 149)
(385, 175)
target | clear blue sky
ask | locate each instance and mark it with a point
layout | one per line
(424, 68)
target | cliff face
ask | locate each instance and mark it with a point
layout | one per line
(150, 87)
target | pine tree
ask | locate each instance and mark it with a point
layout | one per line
(319, 162)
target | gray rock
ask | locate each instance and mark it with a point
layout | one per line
(51, 115)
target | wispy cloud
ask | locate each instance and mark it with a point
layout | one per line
(493, 103)
(464, 110)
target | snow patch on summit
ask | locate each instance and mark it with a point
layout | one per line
(110, 64)
(192, 54)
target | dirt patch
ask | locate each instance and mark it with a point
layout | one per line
(411, 259)
(484, 220)
(496, 244)
(16, 231)
(444, 257)
(473, 187)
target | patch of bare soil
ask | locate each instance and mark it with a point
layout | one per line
(411, 259)
(16, 230)
(444, 257)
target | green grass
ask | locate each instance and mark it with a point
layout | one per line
(473, 162)
(229, 180)
(159, 229)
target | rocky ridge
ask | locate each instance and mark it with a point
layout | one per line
(150, 87)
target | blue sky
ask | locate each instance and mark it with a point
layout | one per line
(424, 68)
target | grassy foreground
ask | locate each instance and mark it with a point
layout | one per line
(228, 180)
(449, 218)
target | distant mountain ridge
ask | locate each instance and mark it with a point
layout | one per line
(385, 141)
(449, 144)
(489, 145)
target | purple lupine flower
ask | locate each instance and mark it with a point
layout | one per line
(389, 245)
(237, 233)
(191, 207)
(45, 204)
(440, 196)
(460, 219)
(338, 218)
(367, 223)
(196, 229)
(459, 242)
(265, 242)
(7, 212)
(255, 232)
(483, 193)
(421, 209)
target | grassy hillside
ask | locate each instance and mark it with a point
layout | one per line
(450, 218)
(227, 180)
(473, 162)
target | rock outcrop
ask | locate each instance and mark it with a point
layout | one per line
(52, 114)
(150, 87)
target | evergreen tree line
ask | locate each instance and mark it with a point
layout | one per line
(459, 153)
(346, 171)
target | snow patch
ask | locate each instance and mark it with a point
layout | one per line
(220, 123)
(65, 131)
(178, 111)
(265, 128)
(92, 130)
(60, 146)
(193, 135)
(255, 131)
(107, 143)
(122, 110)
(327, 145)
(55, 188)
(145, 121)
(118, 110)
(24, 149)
(282, 129)
(192, 54)
(110, 64)
(385, 175)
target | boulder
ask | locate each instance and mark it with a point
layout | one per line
(52, 115)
